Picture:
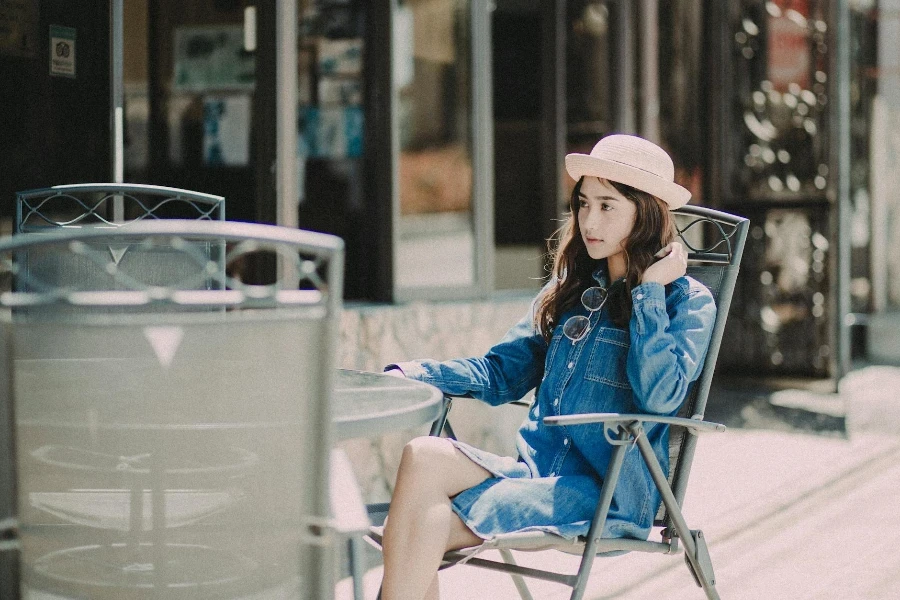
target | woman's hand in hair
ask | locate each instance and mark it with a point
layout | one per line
(671, 265)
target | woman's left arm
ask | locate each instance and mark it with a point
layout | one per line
(668, 347)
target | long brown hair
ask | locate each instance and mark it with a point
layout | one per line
(573, 266)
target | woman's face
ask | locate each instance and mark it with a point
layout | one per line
(605, 217)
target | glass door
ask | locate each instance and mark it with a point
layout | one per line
(437, 222)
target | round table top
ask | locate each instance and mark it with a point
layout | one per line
(371, 404)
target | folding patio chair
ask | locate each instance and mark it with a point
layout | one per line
(110, 205)
(715, 241)
(162, 451)
(113, 206)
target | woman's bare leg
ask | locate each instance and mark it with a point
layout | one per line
(421, 526)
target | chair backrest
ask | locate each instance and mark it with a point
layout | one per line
(715, 241)
(195, 443)
(110, 204)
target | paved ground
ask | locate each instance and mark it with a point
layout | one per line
(798, 500)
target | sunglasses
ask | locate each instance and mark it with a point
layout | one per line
(593, 299)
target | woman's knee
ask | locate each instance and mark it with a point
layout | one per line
(426, 453)
(437, 461)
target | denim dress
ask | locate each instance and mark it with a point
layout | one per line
(554, 483)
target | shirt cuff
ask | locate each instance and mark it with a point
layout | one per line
(410, 370)
(649, 302)
(648, 295)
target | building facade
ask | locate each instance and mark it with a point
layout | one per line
(431, 135)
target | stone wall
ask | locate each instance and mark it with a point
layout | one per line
(373, 336)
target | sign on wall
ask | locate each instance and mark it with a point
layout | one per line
(62, 51)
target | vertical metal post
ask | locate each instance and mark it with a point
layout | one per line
(482, 143)
(286, 176)
(840, 121)
(649, 56)
(389, 123)
(553, 112)
(286, 194)
(717, 100)
(10, 544)
(623, 67)
(381, 144)
(117, 101)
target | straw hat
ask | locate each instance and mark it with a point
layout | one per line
(633, 161)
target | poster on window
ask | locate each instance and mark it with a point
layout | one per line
(226, 130)
(212, 58)
(331, 132)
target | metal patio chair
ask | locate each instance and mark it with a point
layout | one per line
(715, 241)
(110, 205)
(162, 451)
(117, 206)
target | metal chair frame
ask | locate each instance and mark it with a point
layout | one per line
(307, 288)
(106, 204)
(716, 265)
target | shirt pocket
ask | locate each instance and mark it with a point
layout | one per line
(609, 357)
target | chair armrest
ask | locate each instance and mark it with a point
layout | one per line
(695, 425)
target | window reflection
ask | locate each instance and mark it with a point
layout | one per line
(436, 237)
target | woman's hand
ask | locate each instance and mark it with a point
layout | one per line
(671, 265)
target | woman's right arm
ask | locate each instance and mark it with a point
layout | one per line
(508, 371)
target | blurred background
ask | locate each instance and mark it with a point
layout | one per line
(431, 136)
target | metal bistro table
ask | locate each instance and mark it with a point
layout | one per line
(373, 404)
(368, 405)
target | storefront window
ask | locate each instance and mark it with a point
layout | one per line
(436, 230)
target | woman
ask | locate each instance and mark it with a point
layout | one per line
(619, 328)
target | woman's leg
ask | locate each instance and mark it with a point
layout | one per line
(421, 526)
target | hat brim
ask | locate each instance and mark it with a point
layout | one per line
(582, 165)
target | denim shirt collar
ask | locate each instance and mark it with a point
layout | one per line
(600, 275)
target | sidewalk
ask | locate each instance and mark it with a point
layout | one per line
(788, 512)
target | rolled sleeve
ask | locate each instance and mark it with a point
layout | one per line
(649, 305)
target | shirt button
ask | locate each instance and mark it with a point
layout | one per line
(566, 441)
(556, 402)
(640, 296)
(571, 364)
(551, 474)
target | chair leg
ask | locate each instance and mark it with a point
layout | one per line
(356, 552)
(599, 521)
(695, 552)
(521, 586)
